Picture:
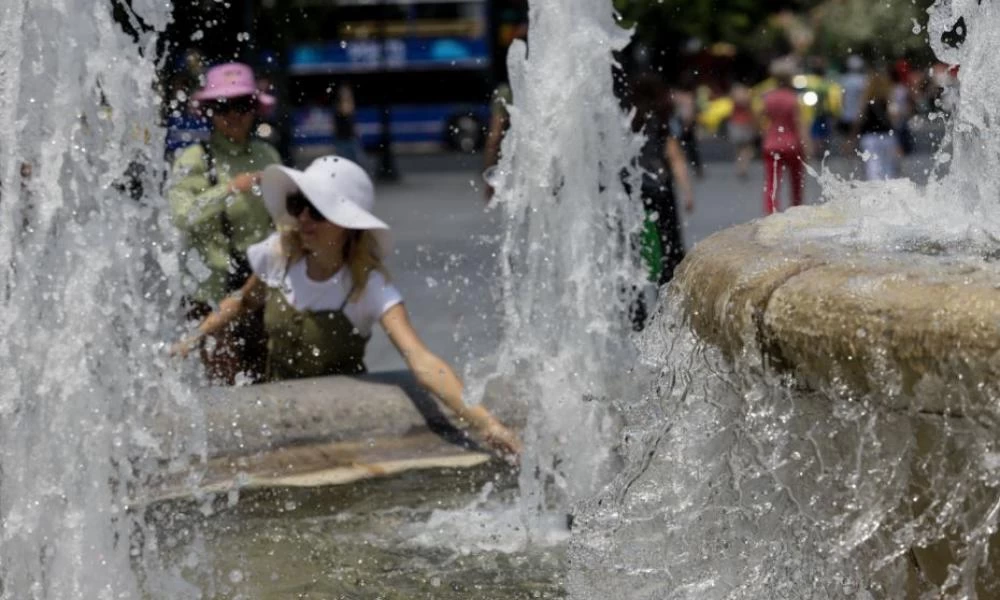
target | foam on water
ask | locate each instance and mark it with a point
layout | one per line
(487, 524)
(82, 311)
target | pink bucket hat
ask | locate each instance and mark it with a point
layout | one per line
(232, 80)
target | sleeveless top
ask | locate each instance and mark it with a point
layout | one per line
(305, 343)
(316, 328)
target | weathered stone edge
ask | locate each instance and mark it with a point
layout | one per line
(316, 432)
(239, 421)
(867, 323)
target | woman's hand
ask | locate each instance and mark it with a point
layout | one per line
(244, 182)
(501, 439)
(185, 346)
(438, 378)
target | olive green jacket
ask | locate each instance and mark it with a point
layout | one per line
(201, 210)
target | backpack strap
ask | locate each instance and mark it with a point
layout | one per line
(239, 265)
(210, 171)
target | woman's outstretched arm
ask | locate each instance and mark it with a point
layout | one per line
(437, 376)
(249, 298)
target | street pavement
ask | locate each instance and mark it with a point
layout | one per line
(446, 244)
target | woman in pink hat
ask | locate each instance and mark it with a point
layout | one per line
(216, 203)
(323, 286)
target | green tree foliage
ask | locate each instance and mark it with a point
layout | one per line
(733, 21)
(883, 27)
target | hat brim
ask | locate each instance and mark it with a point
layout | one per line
(277, 182)
(265, 100)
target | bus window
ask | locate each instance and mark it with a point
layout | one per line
(428, 62)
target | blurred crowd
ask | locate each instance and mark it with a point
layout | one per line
(839, 104)
(807, 109)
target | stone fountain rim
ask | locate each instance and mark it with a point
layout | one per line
(321, 432)
(826, 313)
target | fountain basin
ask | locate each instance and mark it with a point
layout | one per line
(897, 324)
(324, 431)
(915, 337)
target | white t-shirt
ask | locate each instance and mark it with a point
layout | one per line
(303, 293)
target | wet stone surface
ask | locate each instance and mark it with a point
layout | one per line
(433, 534)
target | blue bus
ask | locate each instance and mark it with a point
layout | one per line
(432, 63)
(427, 61)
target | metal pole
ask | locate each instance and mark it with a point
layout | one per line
(387, 170)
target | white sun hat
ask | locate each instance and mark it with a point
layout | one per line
(340, 189)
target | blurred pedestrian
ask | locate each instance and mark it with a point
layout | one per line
(786, 138)
(823, 119)
(664, 166)
(853, 84)
(215, 202)
(345, 128)
(685, 104)
(742, 128)
(323, 286)
(879, 144)
(495, 132)
(184, 124)
(902, 106)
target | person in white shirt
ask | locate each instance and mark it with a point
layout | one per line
(323, 286)
(853, 84)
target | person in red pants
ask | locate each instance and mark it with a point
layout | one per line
(784, 144)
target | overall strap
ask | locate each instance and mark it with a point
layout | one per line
(347, 298)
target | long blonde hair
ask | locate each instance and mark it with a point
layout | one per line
(360, 255)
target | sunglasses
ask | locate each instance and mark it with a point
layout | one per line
(242, 105)
(296, 203)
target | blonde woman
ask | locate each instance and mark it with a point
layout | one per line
(323, 286)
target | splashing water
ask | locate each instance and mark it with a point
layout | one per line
(976, 147)
(566, 257)
(956, 210)
(740, 483)
(79, 321)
